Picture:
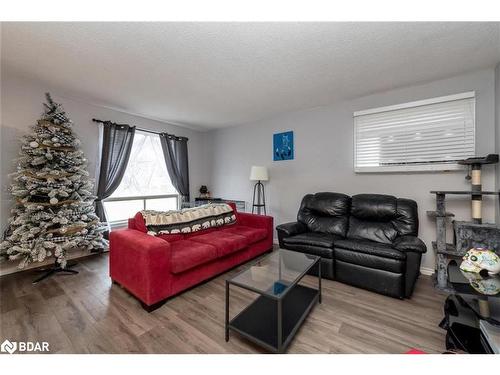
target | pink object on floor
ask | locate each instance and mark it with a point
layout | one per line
(415, 351)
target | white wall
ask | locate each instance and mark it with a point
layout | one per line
(323, 161)
(324, 155)
(21, 106)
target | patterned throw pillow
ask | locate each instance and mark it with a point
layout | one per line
(188, 220)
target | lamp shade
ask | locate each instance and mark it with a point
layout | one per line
(258, 173)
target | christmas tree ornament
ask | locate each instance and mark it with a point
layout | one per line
(54, 204)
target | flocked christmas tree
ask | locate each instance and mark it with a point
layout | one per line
(54, 204)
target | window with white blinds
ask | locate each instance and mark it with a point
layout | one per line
(418, 136)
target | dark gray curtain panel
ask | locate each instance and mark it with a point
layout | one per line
(175, 151)
(117, 140)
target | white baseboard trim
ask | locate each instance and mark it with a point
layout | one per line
(423, 270)
(10, 267)
(427, 271)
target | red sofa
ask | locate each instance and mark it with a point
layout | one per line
(156, 268)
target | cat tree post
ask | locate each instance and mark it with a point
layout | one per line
(442, 264)
(476, 199)
(450, 251)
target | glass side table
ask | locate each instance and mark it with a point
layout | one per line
(273, 319)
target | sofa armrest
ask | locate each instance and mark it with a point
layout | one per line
(409, 243)
(141, 264)
(291, 229)
(131, 223)
(256, 221)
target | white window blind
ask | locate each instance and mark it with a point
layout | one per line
(424, 135)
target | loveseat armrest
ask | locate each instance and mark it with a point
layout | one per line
(141, 264)
(409, 243)
(291, 229)
(256, 221)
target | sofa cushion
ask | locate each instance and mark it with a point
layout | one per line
(325, 213)
(371, 247)
(225, 243)
(251, 234)
(312, 238)
(406, 221)
(372, 217)
(374, 207)
(323, 252)
(187, 254)
(383, 232)
(171, 237)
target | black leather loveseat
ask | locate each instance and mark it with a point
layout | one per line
(369, 240)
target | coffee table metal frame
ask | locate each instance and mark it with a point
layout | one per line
(281, 345)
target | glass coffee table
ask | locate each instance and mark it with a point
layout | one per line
(273, 319)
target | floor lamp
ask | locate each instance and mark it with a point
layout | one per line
(259, 174)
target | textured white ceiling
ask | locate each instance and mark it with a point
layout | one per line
(213, 75)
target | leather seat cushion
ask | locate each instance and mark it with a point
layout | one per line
(323, 252)
(369, 260)
(370, 247)
(312, 238)
(188, 254)
(225, 243)
(251, 234)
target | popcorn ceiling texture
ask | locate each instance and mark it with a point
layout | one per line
(212, 75)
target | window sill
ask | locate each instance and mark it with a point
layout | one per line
(412, 168)
(118, 224)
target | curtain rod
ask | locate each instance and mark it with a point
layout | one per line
(140, 129)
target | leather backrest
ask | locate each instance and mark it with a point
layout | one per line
(381, 218)
(406, 222)
(374, 207)
(371, 216)
(374, 217)
(325, 213)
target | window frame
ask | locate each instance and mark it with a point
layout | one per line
(424, 166)
(144, 198)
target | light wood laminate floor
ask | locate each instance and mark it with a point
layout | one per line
(85, 313)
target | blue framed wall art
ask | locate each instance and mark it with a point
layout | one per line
(283, 146)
